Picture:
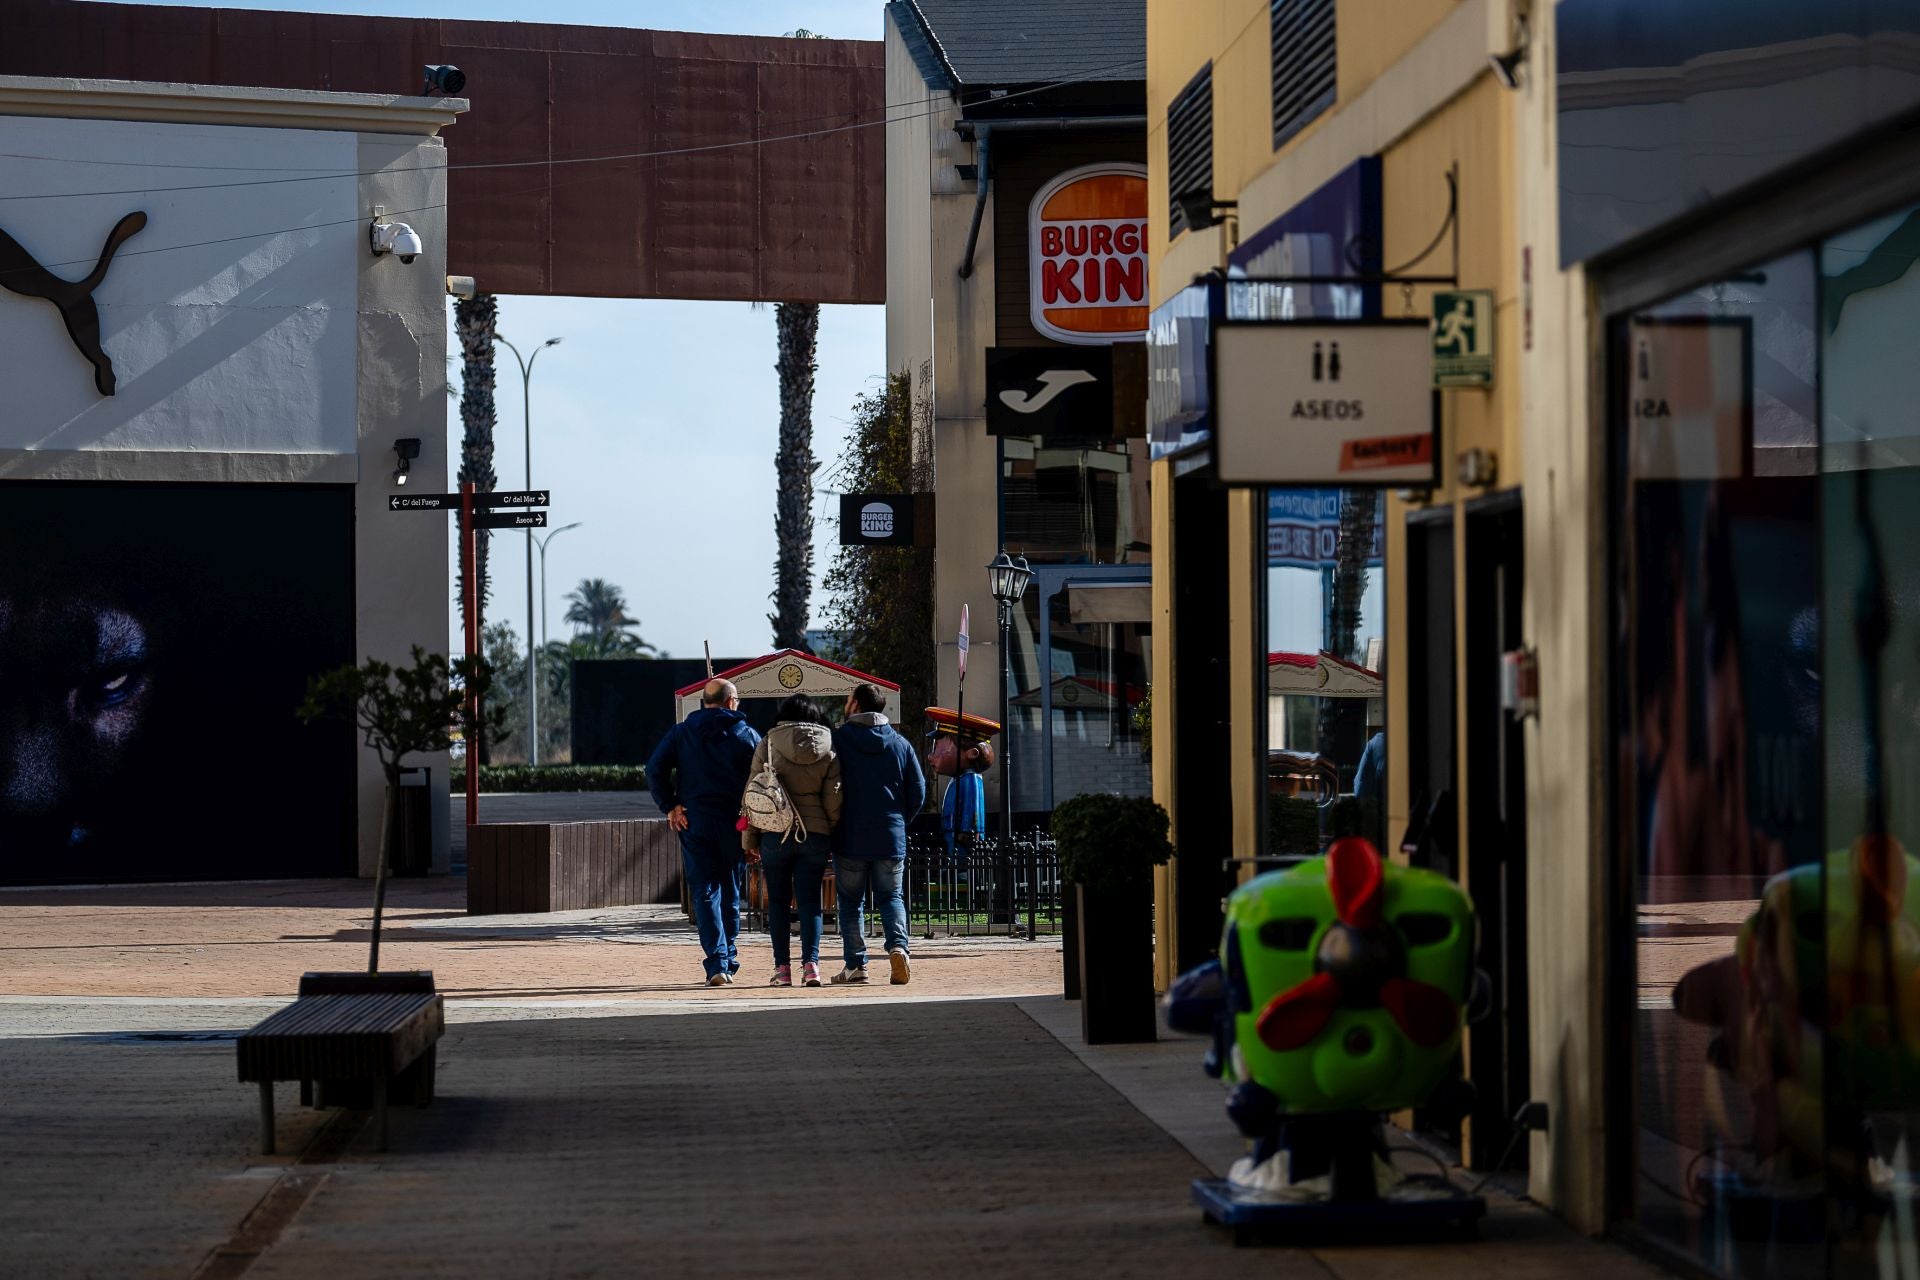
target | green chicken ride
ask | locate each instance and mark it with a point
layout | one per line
(1339, 995)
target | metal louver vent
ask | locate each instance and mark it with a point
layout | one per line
(1303, 63)
(1189, 145)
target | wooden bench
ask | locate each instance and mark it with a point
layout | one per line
(382, 1037)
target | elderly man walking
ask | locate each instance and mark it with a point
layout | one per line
(881, 789)
(697, 775)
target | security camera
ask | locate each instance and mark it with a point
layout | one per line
(462, 287)
(444, 80)
(396, 238)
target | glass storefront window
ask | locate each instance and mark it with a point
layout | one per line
(1073, 501)
(1325, 629)
(1767, 462)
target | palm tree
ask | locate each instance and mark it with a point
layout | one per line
(599, 610)
(797, 325)
(476, 320)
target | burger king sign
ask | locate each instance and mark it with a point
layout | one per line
(1087, 254)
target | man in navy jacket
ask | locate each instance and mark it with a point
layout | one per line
(881, 789)
(697, 775)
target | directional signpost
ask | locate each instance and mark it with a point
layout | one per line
(511, 511)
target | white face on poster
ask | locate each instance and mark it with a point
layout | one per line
(1340, 403)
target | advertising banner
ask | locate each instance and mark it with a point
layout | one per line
(157, 641)
(884, 519)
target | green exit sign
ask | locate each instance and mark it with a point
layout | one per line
(1463, 338)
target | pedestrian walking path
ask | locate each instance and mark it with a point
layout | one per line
(607, 1128)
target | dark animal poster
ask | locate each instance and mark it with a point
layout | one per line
(155, 641)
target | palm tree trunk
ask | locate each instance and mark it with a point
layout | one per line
(476, 320)
(798, 327)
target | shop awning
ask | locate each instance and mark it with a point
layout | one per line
(1320, 675)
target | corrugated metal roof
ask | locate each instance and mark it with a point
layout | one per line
(1021, 42)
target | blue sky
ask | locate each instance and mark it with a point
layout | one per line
(654, 422)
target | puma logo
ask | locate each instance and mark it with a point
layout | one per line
(1052, 383)
(20, 274)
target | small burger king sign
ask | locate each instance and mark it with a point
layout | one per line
(1087, 254)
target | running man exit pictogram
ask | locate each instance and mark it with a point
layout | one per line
(1463, 338)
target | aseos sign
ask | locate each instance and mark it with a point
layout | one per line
(1087, 255)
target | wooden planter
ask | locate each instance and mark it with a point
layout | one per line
(567, 866)
(1116, 964)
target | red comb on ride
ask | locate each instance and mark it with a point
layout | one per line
(1356, 881)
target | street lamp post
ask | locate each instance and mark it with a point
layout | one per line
(542, 543)
(1007, 579)
(526, 417)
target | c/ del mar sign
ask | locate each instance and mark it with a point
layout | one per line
(1087, 255)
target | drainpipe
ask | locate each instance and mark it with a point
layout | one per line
(982, 132)
(983, 181)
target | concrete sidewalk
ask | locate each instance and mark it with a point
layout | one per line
(935, 1138)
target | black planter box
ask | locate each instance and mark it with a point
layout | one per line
(1116, 964)
(1070, 944)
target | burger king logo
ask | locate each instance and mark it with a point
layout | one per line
(1087, 254)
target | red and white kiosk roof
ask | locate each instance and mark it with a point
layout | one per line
(779, 674)
(1321, 675)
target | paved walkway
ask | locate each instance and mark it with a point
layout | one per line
(605, 1127)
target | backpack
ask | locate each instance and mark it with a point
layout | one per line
(767, 807)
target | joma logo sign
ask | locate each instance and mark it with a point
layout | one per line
(21, 274)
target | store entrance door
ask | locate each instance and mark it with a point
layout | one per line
(1496, 861)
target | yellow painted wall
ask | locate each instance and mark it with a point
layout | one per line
(1373, 34)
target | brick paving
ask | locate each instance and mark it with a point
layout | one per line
(169, 941)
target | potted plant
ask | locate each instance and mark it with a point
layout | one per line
(402, 711)
(1109, 846)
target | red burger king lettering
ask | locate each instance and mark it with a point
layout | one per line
(1088, 254)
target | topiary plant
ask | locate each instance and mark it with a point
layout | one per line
(1110, 842)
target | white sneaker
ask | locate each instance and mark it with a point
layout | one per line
(720, 980)
(902, 969)
(852, 975)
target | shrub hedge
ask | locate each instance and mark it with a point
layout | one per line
(554, 777)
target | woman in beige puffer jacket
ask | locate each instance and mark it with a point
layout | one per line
(800, 744)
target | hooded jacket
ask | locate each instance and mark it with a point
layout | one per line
(808, 769)
(702, 764)
(882, 789)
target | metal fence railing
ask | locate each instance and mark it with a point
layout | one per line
(986, 888)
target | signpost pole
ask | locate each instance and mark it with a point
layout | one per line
(470, 588)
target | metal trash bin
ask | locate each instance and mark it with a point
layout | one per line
(411, 837)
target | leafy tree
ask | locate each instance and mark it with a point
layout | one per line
(500, 645)
(881, 598)
(402, 711)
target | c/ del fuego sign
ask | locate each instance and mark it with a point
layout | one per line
(1087, 254)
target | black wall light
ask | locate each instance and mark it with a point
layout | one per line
(1199, 210)
(406, 450)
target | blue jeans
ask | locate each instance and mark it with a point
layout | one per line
(794, 870)
(716, 874)
(888, 876)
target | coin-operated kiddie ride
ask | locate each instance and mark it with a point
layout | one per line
(1339, 996)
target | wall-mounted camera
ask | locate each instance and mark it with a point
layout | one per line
(396, 238)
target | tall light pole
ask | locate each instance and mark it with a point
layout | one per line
(526, 417)
(542, 542)
(1007, 579)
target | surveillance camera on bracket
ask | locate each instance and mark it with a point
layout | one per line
(396, 238)
(442, 80)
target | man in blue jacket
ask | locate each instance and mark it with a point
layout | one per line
(697, 775)
(881, 789)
